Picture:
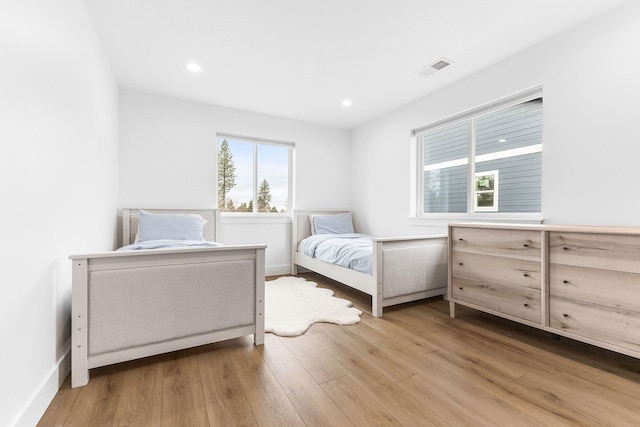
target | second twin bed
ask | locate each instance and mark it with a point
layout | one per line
(391, 270)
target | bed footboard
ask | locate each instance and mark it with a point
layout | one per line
(407, 269)
(129, 305)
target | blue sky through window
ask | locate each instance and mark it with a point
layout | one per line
(273, 165)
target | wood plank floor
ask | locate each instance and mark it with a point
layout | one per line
(414, 367)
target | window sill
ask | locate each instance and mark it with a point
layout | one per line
(444, 219)
(251, 218)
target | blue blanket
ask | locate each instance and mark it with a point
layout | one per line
(160, 244)
(353, 250)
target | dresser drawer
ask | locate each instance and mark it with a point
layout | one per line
(506, 285)
(605, 251)
(611, 325)
(522, 244)
(615, 289)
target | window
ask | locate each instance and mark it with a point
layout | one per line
(254, 175)
(486, 192)
(504, 140)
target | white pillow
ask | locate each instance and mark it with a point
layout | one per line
(153, 226)
(332, 224)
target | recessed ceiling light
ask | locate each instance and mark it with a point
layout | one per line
(347, 103)
(502, 140)
(193, 67)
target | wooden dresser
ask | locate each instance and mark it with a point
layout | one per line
(578, 282)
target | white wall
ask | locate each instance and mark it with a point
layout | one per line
(591, 81)
(58, 187)
(167, 159)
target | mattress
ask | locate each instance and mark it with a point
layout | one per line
(350, 250)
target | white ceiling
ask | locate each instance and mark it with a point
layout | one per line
(300, 58)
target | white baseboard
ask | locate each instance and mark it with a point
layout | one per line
(35, 407)
(277, 270)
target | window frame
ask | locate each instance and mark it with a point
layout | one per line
(417, 167)
(256, 141)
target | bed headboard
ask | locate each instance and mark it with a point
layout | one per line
(302, 225)
(130, 222)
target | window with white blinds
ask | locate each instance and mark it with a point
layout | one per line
(504, 141)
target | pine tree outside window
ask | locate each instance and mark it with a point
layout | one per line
(254, 175)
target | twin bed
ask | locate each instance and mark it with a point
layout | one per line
(402, 269)
(132, 304)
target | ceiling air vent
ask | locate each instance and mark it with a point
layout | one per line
(432, 68)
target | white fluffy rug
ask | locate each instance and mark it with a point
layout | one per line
(293, 304)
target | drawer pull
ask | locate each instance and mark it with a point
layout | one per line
(565, 248)
(526, 274)
(565, 315)
(461, 239)
(460, 263)
(526, 245)
(461, 288)
(565, 281)
(526, 305)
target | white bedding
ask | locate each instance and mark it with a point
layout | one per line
(166, 243)
(350, 250)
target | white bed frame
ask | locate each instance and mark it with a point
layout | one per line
(134, 304)
(404, 268)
